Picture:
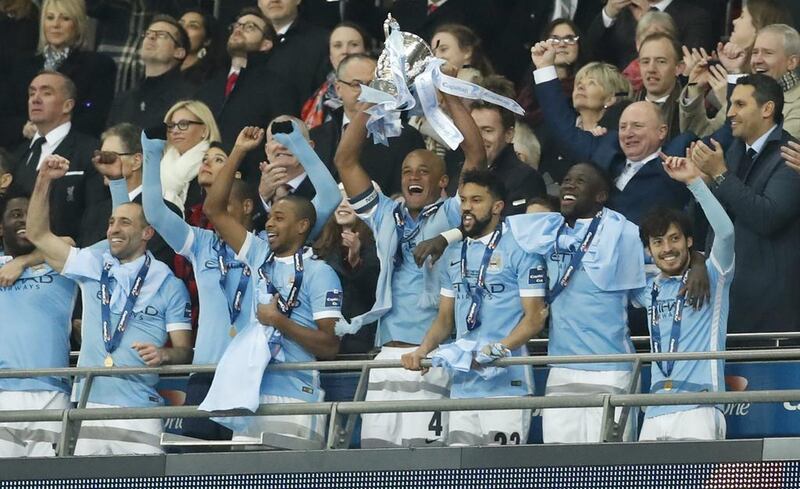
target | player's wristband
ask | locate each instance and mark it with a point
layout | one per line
(452, 235)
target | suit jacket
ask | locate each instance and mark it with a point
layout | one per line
(93, 75)
(651, 186)
(301, 55)
(616, 43)
(147, 104)
(382, 163)
(73, 194)
(765, 209)
(260, 95)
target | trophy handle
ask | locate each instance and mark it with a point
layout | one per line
(389, 25)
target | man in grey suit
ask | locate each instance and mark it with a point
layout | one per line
(762, 196)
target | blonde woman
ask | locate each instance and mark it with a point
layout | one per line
(598, 86)
(63, 46)
(191, 128)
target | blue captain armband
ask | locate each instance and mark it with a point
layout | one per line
(365, 201)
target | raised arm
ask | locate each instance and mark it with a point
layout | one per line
(347, 159)
(472, 145)
(327, 196)
(216, 204)
(169, 225)
(37, 225)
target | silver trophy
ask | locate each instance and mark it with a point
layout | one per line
(416, 50)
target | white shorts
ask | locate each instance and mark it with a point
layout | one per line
(392, 430)
(701, 423)
(31, 439)
(119, 436)
(302, 426)
(582, 425)
(495, 427)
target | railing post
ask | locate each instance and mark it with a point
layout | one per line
(346, 434)
(65, 442)
(333, 427)
(619, 433)
(608, 427)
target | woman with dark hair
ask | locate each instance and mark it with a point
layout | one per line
(204, 53)
(461, 47)
(346, 38)
(348, 246)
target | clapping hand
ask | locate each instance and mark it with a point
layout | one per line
(680, 169)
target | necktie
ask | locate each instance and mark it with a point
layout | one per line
(35, 151)
(231, 83)
(747, 163)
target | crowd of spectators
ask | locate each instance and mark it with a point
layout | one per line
(103, 101)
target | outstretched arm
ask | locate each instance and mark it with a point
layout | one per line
(216, 204)
(169, 225)
(37, 225)
(347, 159)
(327, 196)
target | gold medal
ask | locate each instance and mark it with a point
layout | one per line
(668, 385)
(108, 362)
(232, 331)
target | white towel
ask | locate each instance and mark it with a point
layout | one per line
(459, 356)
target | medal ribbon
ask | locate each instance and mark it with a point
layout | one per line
(577, 257)
(476, 293)
(235, 308)
(400, 227)
(675, 335)
(285, 306)
(113, 338)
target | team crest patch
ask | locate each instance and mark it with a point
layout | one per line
(537, 275)
(495, 263)
(333, 298)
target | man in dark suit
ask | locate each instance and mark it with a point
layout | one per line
(51, 100)
(630, 155)
(248, 92)
(613, 32)
(121, 157)
(382, 163)
(301, 53)
(762, 196)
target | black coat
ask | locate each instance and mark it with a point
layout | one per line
(147, 104)
(301, 55)
(72, 195)
(93, 75)
(765, 209)
(382, 163)
(616, 44)
(522, 182)
(260, 95)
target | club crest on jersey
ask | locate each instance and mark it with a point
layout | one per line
(495, 263)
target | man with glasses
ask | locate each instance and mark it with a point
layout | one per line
(119, 161)
(162, 51)
(382, 163)
(248, 92)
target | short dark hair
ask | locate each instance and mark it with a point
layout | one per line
(129, 134)
(269, 30)
(14, 192)
(549, 201)
(242, 190)
(366, 39)
(69, 85)
(501, 86)
(657, 221)
(352, 57)
(485, 179)
(303, 207)
(766, 89)
(602, 174)
(657, 36)
(183, 37)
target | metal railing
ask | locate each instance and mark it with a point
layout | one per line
(338, 435)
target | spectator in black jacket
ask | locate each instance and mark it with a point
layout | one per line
(163, 49)
(63, 46)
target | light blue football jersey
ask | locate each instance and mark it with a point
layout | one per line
(511, 274)
(162, 306)
(320, 297)
(407, 321)
(584, 319)
(203, 248)
(35, 325)
(701, 330)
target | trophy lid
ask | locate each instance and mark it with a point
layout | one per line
(416, 52)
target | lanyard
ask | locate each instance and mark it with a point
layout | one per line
(655, 332)
(400, 227)
(285, 306)
(476, 293)
(113, 338)
(577, 257)
(225, 265)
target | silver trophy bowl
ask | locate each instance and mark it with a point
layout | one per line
(416, 50)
